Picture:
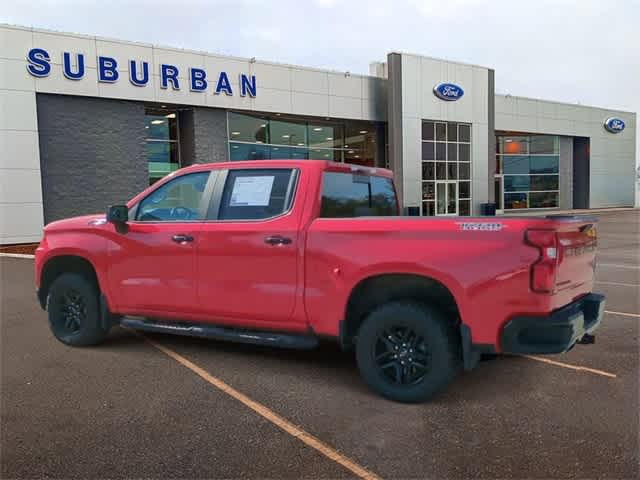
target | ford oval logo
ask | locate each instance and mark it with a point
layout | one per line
(448, 91)
(614, 125)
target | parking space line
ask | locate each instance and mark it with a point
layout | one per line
(625, 314)
(617, 265)
(571, 367)
(268, 414)
(618, 284)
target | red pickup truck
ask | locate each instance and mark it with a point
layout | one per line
(285, 253)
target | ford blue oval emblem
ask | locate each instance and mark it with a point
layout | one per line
(448, 91)
(614, 125)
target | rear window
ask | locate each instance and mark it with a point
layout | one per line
(351, 195)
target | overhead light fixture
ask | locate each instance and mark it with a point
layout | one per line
(363, 131)
(170, 115)
(350, 151)
(234, 146)
(346, 146)
(157, 122)
(163, 106)
(301, 144)
(263, 125)
(509, 140)
(259, 141)
(329, 138)
(146, 126)
(326, 154)
(317, 129)
(276, 148)
(357, 156)
(285, 136)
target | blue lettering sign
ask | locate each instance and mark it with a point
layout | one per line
(614, 124)
(67, 67)
(133, 73)
(107, 70)
(224, 84)
(448, 91)
(198, 82)
(247, 85)
(39, 65)
(74, 68)
(169, 73)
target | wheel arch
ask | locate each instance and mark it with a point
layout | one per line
(375, 290)
(66, 263)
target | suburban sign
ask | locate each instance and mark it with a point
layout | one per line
(614, 125)
(448, 91)
(108, 71)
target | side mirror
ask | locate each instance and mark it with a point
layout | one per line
(118, 214)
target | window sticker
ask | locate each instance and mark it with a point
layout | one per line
(251, 191)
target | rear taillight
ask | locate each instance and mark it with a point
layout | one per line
(543, 271)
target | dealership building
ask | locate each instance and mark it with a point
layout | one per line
(87, 122)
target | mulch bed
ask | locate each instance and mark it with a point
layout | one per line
(26, 248)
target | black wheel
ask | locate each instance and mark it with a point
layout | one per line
(407, 351)
(74, 314)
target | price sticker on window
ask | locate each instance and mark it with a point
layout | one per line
(251, 191)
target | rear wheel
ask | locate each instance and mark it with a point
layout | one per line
(407, 351)
(74, 313)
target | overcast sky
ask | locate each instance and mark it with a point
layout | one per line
(583, 51)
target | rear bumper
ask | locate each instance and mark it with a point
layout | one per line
(555, 333)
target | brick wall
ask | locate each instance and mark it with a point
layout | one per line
(92, 153)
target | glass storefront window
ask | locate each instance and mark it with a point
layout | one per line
(515, 201)
(247, 128)
(325, 136)
(263, 136)
(162, 147)
(544, 144)
(530, 169)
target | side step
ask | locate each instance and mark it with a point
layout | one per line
(254, 337)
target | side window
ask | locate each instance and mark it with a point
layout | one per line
(176, 201)
(347, 195)
(257, 193)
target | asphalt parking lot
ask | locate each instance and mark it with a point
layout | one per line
(129, 409)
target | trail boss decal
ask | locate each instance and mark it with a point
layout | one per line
(484, 227)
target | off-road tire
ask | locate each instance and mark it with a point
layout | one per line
(439, 351)
(74, 312)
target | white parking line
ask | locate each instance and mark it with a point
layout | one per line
(624, 314)
(571, 367)
(619, 284)
(16, 255)
(615, 265)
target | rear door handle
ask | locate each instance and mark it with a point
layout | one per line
(182, 238)
(277, 240)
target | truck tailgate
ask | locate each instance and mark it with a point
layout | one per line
(577, 241)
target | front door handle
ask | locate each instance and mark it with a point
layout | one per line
(277, 240)
(182, 238)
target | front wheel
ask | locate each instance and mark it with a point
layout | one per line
(407, 351)
(74, 314)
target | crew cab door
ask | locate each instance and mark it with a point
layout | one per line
(249, 249)
(152, 260)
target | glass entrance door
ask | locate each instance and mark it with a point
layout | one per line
(447, 198)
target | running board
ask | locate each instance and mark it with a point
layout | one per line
(273, 339)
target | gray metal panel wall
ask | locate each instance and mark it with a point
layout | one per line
(210, 135)
(566, 172)
(91, 153)
(394, 119)
(491, 110)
